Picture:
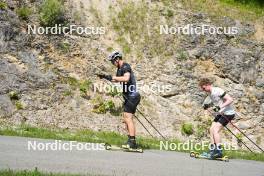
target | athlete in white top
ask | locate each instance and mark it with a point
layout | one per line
(221, 104)
(219, 98)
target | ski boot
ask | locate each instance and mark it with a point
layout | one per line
(131, 143)
(217, 153)
(205, 155)
(212, 150)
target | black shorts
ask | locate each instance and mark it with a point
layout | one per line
(224, 119)
(131, 102)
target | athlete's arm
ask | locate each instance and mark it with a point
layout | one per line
(227, 101)
(124, 78)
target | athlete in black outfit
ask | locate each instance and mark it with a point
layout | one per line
(126, 77)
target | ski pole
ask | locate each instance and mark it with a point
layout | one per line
(234, 134)
(239, 139)
(140, 122)
(247, 136)
(242, 132)
(142, 115)
(144, 126)
(146, 119)
(137, 110)
(151, 124)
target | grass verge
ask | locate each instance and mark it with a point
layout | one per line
(108, 137)
(9, 172)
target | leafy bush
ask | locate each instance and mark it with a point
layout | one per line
(71, 81)
(13, 95)
(85, 85)
(114, 91)
(64, 46)
(182, 55)
(168, 13)
(82, 85)
(24, 13)
(3, 5)
(51, 13)
(19, 105)
(187, 128)
(104, 107)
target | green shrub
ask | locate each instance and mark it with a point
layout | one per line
(67, 93)
(109, 105)
(51, 13)
(13, 95)
(19, 105)
(114, 91)
(71, 81)
(24, 13)
(85, 85)
(168, 13)
(182, 55)
(64, 46)
(187, 128)
(3, 5)
(102, 106)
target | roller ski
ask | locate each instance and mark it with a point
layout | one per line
(125, 148)
(209, 156)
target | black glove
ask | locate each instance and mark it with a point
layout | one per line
(103, 76)
(216, 108)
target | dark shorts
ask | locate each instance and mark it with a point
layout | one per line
(224, 120)
(131, 102)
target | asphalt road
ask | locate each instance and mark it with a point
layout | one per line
(14, 154)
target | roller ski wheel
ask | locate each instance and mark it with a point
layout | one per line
(122, 148)
(193, 154)
(204, 155)
(107, 146)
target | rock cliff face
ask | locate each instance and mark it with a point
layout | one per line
(48, 80)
